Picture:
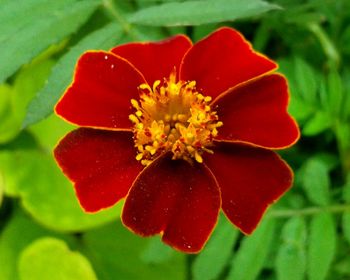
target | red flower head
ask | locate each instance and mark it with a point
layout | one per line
(181, 131)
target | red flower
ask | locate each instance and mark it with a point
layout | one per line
(202, 122)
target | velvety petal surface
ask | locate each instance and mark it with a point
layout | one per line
(101, 91)
(250, 179)
(155, 60)
(101, 164)
(175, 198)
(256, 112)
(221, 61)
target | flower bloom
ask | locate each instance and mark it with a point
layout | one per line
(181, 131)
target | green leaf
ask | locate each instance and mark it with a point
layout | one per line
(346, 107)
(346, 226)
(291, 257)
(250, 257)
(287, 67)
(316, 182)
(343, 267)
(50, 258)
(317, 124)
(201, 31)
(306, 80)
(156, 252)
(49, 131)
(300, 109)
(346, 189)
(14, 100)
(46, 193)
(118, 253)
(335, 92)
(28, 82)
(345, 41)
(53, 25)
(18, 233)
(1, 189)
(262, 36)
(304, 18)
(343, 137)
(328, 46)
(25, 11)
(62, 74)
(330, 160)
(9, 127)
(322, 246)
(346, 215)
(213, 259)
(323, 95)
(200, 12)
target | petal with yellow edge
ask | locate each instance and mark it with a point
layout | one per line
(250, 179)
(101, 164)
(175, 198)
(155, 60)
(101, 91)
(221, 61)
(256, 113)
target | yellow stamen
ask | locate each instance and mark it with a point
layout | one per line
(173, 116)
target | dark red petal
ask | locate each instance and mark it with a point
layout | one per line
(101, 164)
(221, 61)
(256, 112)
(176, 198)
(250, 179)
(155, 60)
(100, 94)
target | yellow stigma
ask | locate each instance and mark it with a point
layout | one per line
(173, 116)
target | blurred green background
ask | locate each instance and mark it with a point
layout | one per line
(44, 234)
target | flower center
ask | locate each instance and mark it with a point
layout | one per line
(173, 116)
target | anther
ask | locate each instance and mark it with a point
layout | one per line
(198, 157)
(173, 116)
(134, 119)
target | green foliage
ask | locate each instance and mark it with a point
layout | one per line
(52, 23)
(117, 251)
(211, 262)
(335, 91)
(61, 76)
(15, 99)
(346, 215)
(306, 80)
(38, 178)
(199, 12)
(322, 246)
(44, 233)
(156, 252)
(316, 182)
(317, 124)
(50, 258)
(19, 232)
(291, 257)
(8, 124)
(1, 189)
(250, 257)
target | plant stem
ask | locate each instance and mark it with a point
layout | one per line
(127, 27)
(340, 208)
(327, 45)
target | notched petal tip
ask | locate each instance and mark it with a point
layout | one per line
(156, 60)
(94, 160)
(223, 60)
(100, 93)
(183, 208)
(250, 179)
(256, 113)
